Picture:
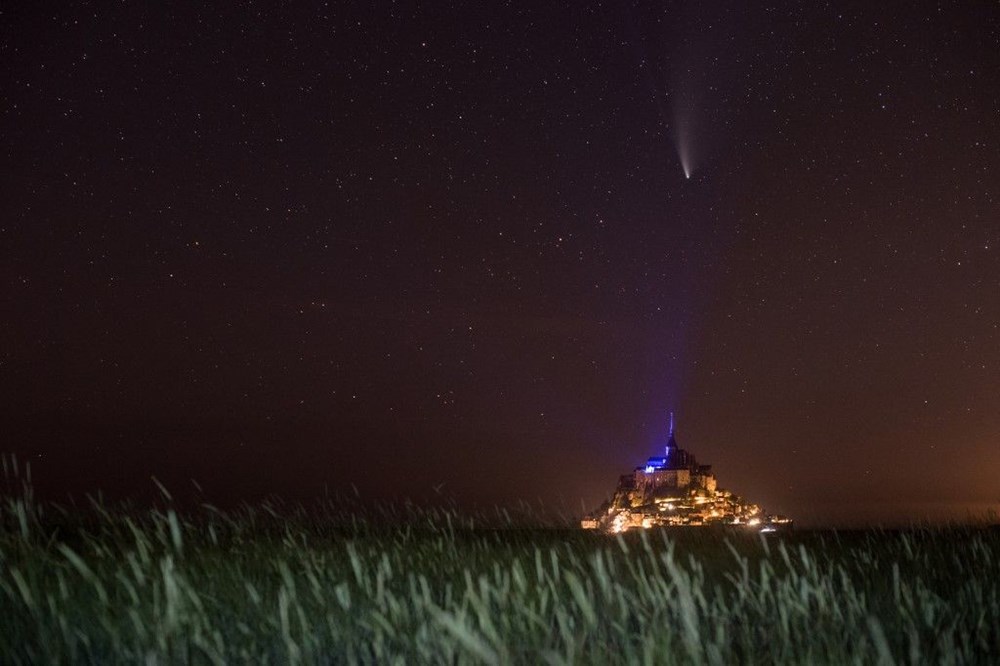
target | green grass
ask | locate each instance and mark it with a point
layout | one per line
(339, 584)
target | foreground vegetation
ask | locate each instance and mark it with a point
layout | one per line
(337, 584)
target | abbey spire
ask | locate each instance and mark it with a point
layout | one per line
(671, 442)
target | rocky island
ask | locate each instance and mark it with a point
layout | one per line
(675, 490)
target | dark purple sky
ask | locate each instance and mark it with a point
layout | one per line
(278, 249)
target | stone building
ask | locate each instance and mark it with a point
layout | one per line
(674, 470)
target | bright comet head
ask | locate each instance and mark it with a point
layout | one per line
(685, 161)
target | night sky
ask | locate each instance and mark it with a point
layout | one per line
(289, 248)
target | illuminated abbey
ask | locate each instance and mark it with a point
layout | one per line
(674, 490)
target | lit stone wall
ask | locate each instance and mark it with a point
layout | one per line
(661, 477)
(646, 482)
(683, 478)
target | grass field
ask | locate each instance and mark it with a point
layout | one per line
(339, 584)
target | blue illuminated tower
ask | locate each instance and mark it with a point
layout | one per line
(671, 442)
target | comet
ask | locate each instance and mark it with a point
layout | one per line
(685, 150)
